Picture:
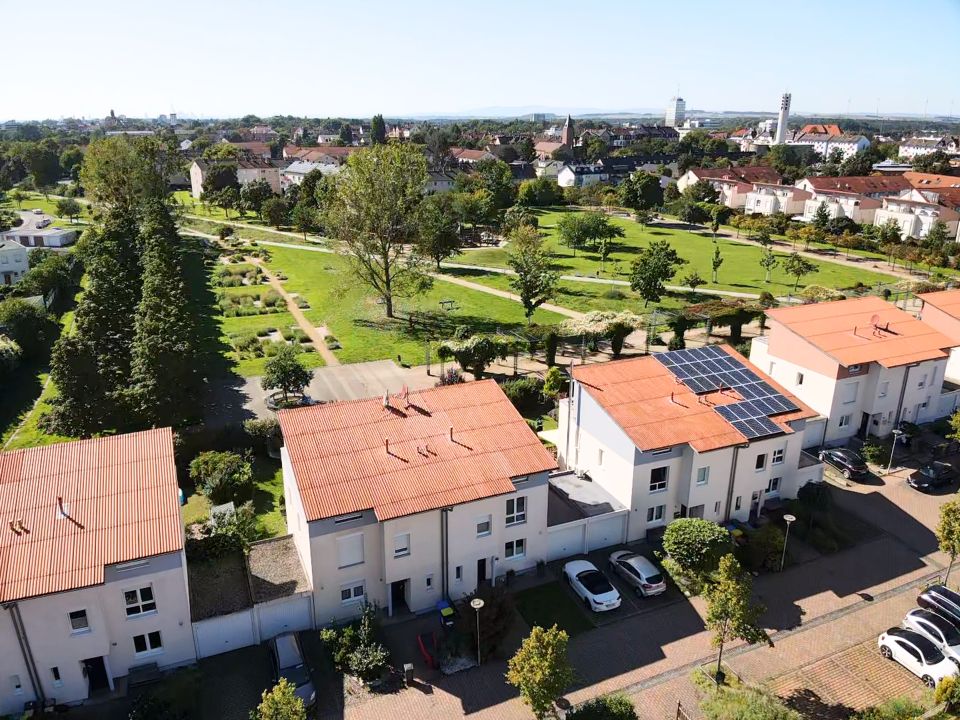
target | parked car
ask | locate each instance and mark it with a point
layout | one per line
(940, 631)
(37, 211)
(43, 223)
(941, 600)
(638, 572)
(591, 585)
(936, 474)
(846, 462)
(288, 663)
(917, 654)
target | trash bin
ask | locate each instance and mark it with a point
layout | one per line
(408, 673)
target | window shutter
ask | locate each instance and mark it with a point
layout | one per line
(350, 550)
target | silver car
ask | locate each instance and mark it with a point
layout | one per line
(289, 664)
(638, 572)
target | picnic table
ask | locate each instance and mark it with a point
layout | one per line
(448, 304)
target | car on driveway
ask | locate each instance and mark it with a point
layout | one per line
(845, 461)
(37, 211)
(43, 223)
(917, 654)
(638, 572)
(935, 475)
(936, 628)
(288, 663)
(591, 586)
(943, 601)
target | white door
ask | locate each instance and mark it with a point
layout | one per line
(282, 616)
(225, 633)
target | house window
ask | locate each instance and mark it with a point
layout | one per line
(777, 456)
(516, 510)
(736, 504)
(430, 581)
(17, 685)
(350, 550)
(922, 382)
(844, 420)
(884, 389)
(703, 475)
(515, 549)
(140, 602)
(55, 672)
(655, 514)
(78, 622)
(799, 378)
(761, 462)
(849, 393)
(774, 485)
(853, 369)
(458, 573)
(483, 526)
(352, 592)
(401, 545)
(149, 643)
(658, 479)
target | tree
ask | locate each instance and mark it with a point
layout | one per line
(71, 159)
(611, 324)
(10, 356)
(220, 176)
(280, 703)
(540, 670)
(948, 532)
(701, 191)
(696, 545)
(798, 266)
(538, 193)
(30, 326)
(285, 372)
(439, 236)
(48, 272)
(275, 211)
(821, 218)
(163, 352)
(221, 476)
(18, 196)
(937, 236)
(936, 162)
(374, 214)
(606, 707)
(68, 207)
(535, 280)
(516, 217)
(121, 170)
(654, 265)
(496, 618)
(378, 130)
(346, 134)
(305, 217)
(495, 177)
(768, 261)
(716, 261)
(643, 217)
(43, 162)
(475, 353)
(691, 213)
(227, 199)
(731, 612)
(572, 230)
(254, 194)
(594, 148)
(693, 280)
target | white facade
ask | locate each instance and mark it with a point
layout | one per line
(824, 145)
(916, 218)
(247, 175)
(858, 208)
(782, 119)
(72, 635)
(581, 175)
(51, 237)
(766, 199)
(13, 262)
(676, 112)
(918, 146)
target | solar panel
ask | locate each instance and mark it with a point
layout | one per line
(727, 412)
(771, 427)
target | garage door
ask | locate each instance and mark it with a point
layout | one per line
(223, 634)
(564, 541)
(285, 615)
(605, 532)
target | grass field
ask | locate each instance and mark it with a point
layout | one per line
(351, 313)
(740, 271)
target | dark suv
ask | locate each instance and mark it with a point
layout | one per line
(850, 465)
(936, 474)
(941, 600)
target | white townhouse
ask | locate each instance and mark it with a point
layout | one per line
(941, 311)
(249, 169)
(93, 580)
(918, 146)
(871, 186)
(407, 500)
(582, 175)
(13, 261)
(668, 443)
(915, 215)
(863, 364)
(295, 172)
(825, 144)
(770, 198)
(30, 236)
(841, 204)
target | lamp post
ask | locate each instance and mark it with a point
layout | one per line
(476, 604)
(896, 436)
(788, 519)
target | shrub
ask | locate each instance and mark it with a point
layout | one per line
(225, 231)
(554, 383)
(676, 342)
(31, 327)
(895, 709)
(763, 550)
(822, 541)
(746, 703)
(355, 648)
(263, 433)
(526, 394)
(10, 354)
(498, 614)
(614, 294)
(223, 534)
(873, 452)
(605, 707)
(221, 476)
(696, 545)
(948, 691)
(450, 376)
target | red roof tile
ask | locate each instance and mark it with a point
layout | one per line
(120, 494)
(340, 457)
(862, 185)
(747, 174)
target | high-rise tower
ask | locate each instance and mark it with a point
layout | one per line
(782, 118)
(676, 112)
(566, 135)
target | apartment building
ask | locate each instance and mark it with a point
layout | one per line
(941, 311)
(915, 215)
(769, 199)
(666, 443)
(404, 501)
(13, 262)
(825, 144)
(93, 579)
(840, 204)
(863, 364)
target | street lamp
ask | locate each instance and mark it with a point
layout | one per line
(896, 436)
(476, 604)
(787, 519)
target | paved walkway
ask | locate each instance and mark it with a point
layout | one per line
(242, 224)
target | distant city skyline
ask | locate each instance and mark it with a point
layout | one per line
(427, 58)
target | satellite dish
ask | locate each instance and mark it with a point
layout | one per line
(875, 320)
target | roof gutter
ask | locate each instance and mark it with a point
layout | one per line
(25, 650)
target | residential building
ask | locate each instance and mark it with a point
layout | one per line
(93, 579)
(328, 138)
(329, 155)
(470, 157)
(915, 215)
(770, 198)
(294, 173)
(439, 182)
(676, 112)
(941, 311)
(863, 364)
(749, 174)
(825, 145)
(255, 148)
(918, 146)
(820, 129)
(249, 169)
(522, 170)
(548, 168)
(546, 148)
(840, 204)
(582, 175)
(927, 181)
(407, 500)
(262, 133)
(664, 450)
(34, 237)
(13, 261)
(872, 186)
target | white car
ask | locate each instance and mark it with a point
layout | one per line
(917, 654)
(936, 628)
(638, 572)
(43, 223)
(591, 585)
(37, 211)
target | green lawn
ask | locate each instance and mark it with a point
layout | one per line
(186, 201)
(36, 201)
(351, 313)
(548, 605)
(740, 271)
(247, 232)
(267, 496)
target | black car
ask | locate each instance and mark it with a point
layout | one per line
(942, 600)
(850, 465)
(936, 474)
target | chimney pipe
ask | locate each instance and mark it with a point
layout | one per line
(60, 506)
(386, 445)
(23, 528)
(13, 527)
(451, 433)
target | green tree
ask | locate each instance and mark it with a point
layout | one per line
(121, 170)
(654, 265)
(693, 280)
(691, 213)
(54, 272)
(948, 531)
(821, 218)
(10, 356)
(346, 134)
(768, 261)
(535, 280)
(221, 476)
(71, 159)
(516, 217)
(936, 162)
(285, 372)
(280, 703)
(731, 612)
(798, 266)
(30, 326)
(572, 230)
(595, 149)
(696, 545)
(228, 199)
(495, 177)
(540, 670)
(439, 236)
(276, 212)
(716, 261)
(701, 191)
(937, 236)
(305, 217)
(374, 214)
(255, 194)
(70, 208)
(18, 196)
(378, 130)
(475, 353)
(43, 162)
(541, 192)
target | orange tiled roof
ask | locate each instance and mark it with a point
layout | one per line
(846, 330)
(656, 411)
(120, 494)
(340, 457)
(926, 181)
(946, 300)
(862, 185)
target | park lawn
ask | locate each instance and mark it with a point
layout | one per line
(253, 234)
(253, 324)
(351, 314)
(189, 204)
(266, 493)
(36, 200)
(740, 271)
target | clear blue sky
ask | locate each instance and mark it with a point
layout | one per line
(414, 57)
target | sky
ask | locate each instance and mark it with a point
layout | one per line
(354, 58)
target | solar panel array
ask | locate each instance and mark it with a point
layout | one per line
(709, 368)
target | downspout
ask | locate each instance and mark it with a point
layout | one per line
(444, 552)
(574, 387)
(903, 392)
(25, 651)
(732, 480)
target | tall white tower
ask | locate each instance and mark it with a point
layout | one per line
(782, 118)
(676, 112)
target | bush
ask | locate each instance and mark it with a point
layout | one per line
(822, 541)
(450, 376)
(265, 433)
(498, 614)
(895, 709)
(605, 707)
(31, 327)
(746, 704)
(221, 476)
(614, 294)
(763, 550)
(526, 394)
(676, 342)
(873, 452)
(696, 545)
(355, 648)
(10, 354)
(948, 691)
(223, 534)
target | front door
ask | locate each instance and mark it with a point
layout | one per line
(481, 571)
(398, 596)
(864, 426)
(96, 673)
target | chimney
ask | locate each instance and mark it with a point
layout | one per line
(13, 527)
(60, 508)
(386, 445)
(21, 526)
(451, 433)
